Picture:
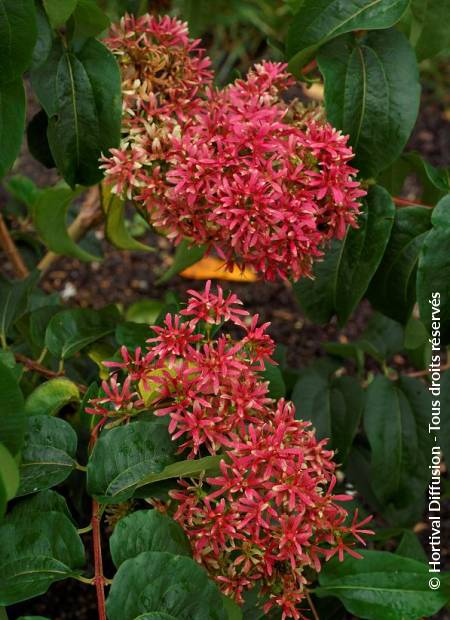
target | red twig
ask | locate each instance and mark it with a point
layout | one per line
(99, 578)
(403, 202)
(309, 67)
(42, 370)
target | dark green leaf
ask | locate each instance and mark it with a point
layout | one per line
(50, 397)
(69, 331)
(274, 376)
(161, 582)
(411, 547)
(318, 21)
(45, 501)
(12, 415)
(431, 31)
(14, 300)
(132, 335)
(396, 419)
(12, 121)
(382, 586)
(343, 276)
(124, 457)
(185, 256)
(43, 544)
(333, 405)
(38, 141)
(59, 11)
(393, 288)
(147, 530)
(433, 274)
(233, 610)
(372, 93)
(39, 319)
(49, 216)
(23, 189)
(192, 468)
(89, 19)
(382, 338)
(17, 37)
(44, 38)
(48, 455)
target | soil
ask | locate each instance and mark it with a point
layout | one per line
(128, 277)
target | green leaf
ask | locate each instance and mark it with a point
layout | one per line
(80, 92)
(17, 37)
(59, 11)
(411, 547)
(132, 335)
(9, 478)
(23, 189)
(393, 288)
(182, 469)
(382, 586)
(12, 121)
(69, 331)
(89, 19)
(433, 274)
(116, 229)
(14, 301)
(45, 501)
(38, 321)
(50, 397)
(12, 415)
(123, 458)
(49, 217)
(396, 419)
(318, 21)
(161, 582)
(37, 550)
(233, 610)
(48, 455)
(431, 31)
(147, 530)
(343, 276)
(145, 311)
(372, 93)
(334, 406)
(273, 374)
(185, 256)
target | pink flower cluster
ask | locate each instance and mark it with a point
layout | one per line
(271, 514)
(263, 183)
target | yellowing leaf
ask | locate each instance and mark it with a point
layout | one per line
(211, 268)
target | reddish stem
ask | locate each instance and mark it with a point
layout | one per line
(403, 202)
(99, 578)
(309, 67)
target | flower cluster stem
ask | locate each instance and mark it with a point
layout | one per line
(99, 578)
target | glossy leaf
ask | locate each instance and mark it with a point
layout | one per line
(396, 419)
(50, 397)
(382, 586)
(162, 582)
(393, 288)
(411, 547)
(43, 544)
(372, 93)
(343, 276)
(132, 335)
(185, 256)
(45, 501)
(49, 216)
(124, 457)
(431, 31)
(12, 415)
(190, 468)
(17, 37)
(38, 321)
(80, 92)
(59, 11)
(12, 121)
(433, 274)
(318, 21)
(48, 455)
(22, 188)
(69, 331)
(147, 530)
(273, 374)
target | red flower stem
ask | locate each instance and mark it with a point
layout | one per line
(309, 67)
(99, 578)
(402, 202)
